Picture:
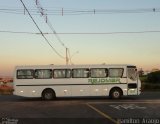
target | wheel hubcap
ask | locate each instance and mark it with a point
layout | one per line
(116, 94)
(48, 95)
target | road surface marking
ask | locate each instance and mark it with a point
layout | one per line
(103, 114)
(127, 106)
(129, 102)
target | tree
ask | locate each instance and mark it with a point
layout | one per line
(141, 72)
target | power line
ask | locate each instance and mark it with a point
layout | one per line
(17, 32)
(41, 31)
(42, 12)
(101, 33)
(82, 33)
(65, 11)
(70, 58)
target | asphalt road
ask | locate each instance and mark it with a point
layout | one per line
(102, 110)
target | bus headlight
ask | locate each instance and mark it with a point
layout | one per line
(132, 89)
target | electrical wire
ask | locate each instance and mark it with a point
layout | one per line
(41, 31)
(42, 12)
(70, 59)
(82, 33)
(61, 11)
(17, 32)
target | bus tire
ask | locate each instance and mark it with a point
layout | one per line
(48, 94)
(116, 93)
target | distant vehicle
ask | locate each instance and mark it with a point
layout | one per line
(51, 81)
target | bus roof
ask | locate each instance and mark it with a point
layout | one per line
(74, 66)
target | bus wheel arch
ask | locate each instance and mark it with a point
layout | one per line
(48, 94)
(115, 93)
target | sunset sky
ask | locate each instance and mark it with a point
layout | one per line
(140, 49)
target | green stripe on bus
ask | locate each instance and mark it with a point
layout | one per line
(103, 80)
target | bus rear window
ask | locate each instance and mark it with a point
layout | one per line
(25, 74)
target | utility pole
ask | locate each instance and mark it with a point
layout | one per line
(67, 60)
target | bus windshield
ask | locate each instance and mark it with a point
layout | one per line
(132, 73)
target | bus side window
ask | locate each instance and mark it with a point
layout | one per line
(99, 72)
(25, 74)
(116, 72)
(61, 73)
(68, 73)
(80, 73)
(43, 73)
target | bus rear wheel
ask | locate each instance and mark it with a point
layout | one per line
(48, 94)
(116, 93)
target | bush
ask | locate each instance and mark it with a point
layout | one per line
(6, 89)
(143, 78)
(153, 77)
(152, 87)
(151, 81)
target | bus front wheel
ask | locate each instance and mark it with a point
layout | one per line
(48, 94)
(116, 93)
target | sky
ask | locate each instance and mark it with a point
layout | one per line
(140, 49)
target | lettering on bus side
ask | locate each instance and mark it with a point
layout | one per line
(103, 80)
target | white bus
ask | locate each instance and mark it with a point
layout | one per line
(51, 81)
